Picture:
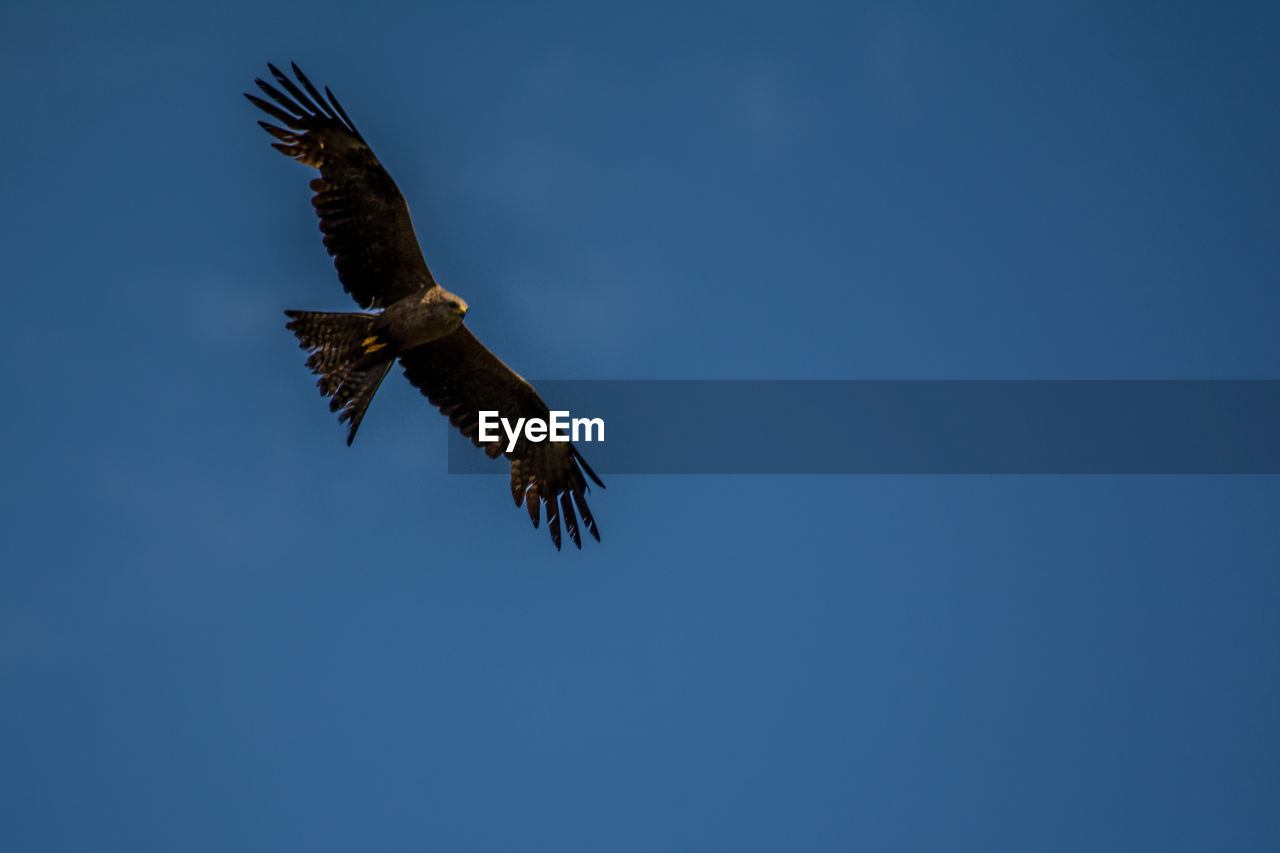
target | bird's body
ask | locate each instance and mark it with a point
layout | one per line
(411, 318)
(416, 320)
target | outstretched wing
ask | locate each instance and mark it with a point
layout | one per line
(364, 217)
(461, 377)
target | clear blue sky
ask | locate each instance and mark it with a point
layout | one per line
(222, 629)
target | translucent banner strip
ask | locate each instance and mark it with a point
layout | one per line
(914, 427)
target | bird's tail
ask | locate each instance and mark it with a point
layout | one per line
(348, 356)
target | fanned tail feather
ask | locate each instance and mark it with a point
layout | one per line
(347, 356)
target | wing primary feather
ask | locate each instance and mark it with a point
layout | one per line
(292, 89)
(278, 133)
(585, 512)
(533, 504)
(275, 112)
(586, 467)
(311, 90)
(570, 520)
(281, 98)
(553, 520)
(351, 126)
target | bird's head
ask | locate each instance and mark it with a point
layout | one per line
(448, 308)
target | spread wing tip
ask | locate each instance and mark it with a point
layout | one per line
(300, 104)
(560, 508)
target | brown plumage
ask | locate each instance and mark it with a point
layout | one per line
(368, 233)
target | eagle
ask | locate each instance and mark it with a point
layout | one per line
(408, 316)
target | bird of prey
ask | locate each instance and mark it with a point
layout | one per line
(408, 315)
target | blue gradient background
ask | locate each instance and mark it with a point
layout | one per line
(220, 628)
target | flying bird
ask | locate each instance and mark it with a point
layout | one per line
(408, 315)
